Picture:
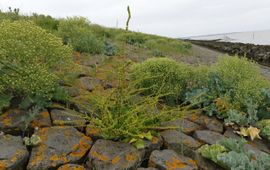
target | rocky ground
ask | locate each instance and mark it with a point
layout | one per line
(67, 144)
(65, 147)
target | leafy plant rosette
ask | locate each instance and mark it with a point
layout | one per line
(231, 154)
(126, 115)
(234, 91)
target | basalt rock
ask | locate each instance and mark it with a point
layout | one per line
(12, 121)
(183, 125)
(210, 123)
(67, 118)
(207, 136)
(106, 154)
(59, 146)
(180, 142)
(170, 160)
(13, 154)
(71, 167)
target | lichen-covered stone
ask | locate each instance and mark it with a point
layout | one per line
(184, 125)
(106, 154)
(170, 160)
(13, 154)
(71, 167)
(208, 136)
(67, 118)
(92, 132)
(155, 144)
(13, 119)
(42, 120)
(180, 142)
(60, 145)
(210, 123)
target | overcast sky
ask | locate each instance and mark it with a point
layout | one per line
(174, 18)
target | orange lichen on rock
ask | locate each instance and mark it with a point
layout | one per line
(99, 156)
(37, 123)
(3, 165)
(130, 158)
(192, 162)
(115, 160)
(175, 164)
(56, 159)
(38, 158)
(154, 140)
(6, 119)
(69, 167)
(16, 155)
(81, 148)
(194, 117)
(92, 131)
(206, 121)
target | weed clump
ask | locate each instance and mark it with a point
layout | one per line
(124, 114)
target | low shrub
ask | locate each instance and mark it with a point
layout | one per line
(46, 22)
(30, 60)
(162, 73)
(241, 79)
(76, 32)
(21, 42)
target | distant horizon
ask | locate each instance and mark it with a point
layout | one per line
(252, 37)
(224, 33)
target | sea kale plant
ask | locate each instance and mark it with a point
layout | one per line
(231, 154)
(235, 91)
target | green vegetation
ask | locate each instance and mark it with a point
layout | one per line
(230, 154)
(162, 73)
(76, 32)
(33, 58)
(30, 60)
(125, 115)
(232, 89)
(241, 79)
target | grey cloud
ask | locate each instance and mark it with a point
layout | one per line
(173, 18)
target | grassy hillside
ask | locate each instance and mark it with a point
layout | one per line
(122, 84)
